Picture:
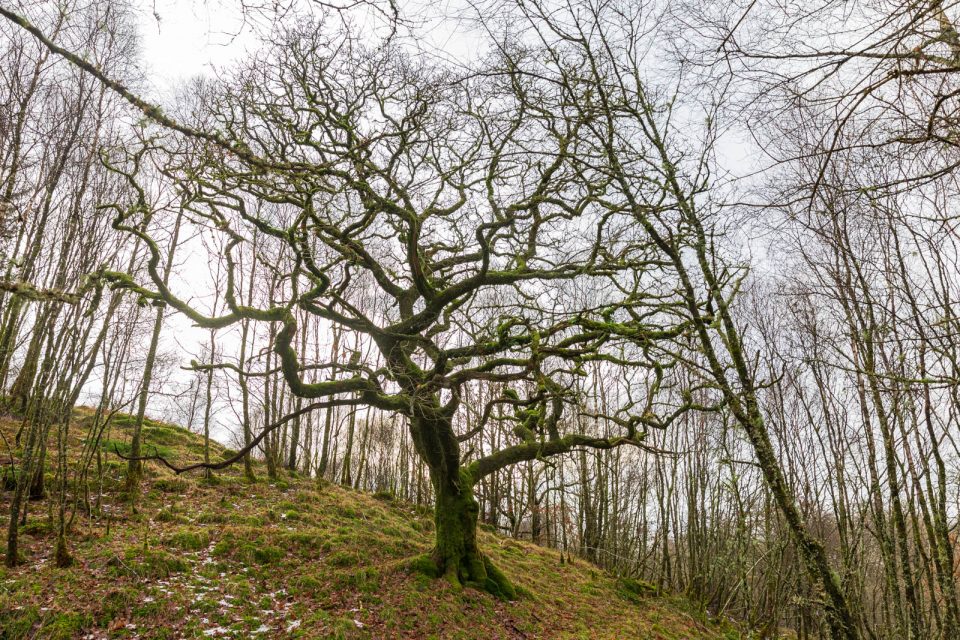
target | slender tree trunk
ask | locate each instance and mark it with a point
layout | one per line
(207, 408)
(245, 404)
(23, 383)
(346, 476)
(135, 467)
(330, 413)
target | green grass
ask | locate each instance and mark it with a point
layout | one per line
(189, 540)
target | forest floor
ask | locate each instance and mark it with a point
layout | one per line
(224, 558)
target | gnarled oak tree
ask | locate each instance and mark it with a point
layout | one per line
(459, 220)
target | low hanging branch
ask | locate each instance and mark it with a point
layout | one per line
(327, 404)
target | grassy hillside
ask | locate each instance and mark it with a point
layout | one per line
(295, 559)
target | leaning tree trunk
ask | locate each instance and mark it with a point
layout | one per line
(456, 556)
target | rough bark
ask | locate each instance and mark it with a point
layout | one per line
(456, 555)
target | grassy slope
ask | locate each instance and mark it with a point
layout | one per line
(295, 559)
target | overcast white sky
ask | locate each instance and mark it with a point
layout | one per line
(184, 38)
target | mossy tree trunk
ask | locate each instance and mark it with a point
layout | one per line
(456, 555)
(23, 383)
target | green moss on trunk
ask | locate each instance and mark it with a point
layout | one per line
(457, 554)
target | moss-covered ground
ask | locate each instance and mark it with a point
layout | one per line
(223, 558)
